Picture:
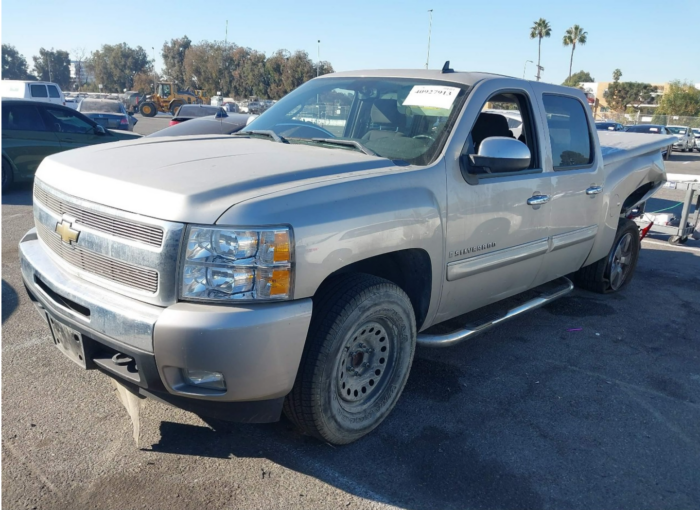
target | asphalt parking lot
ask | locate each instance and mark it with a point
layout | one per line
(591, 402)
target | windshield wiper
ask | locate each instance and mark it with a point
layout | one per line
(263, 132)
(347, 143)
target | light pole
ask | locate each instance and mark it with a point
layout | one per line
(525, 66)
(154, 68)
(318, 58)
(430, 29)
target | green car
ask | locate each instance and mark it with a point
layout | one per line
(32, 130)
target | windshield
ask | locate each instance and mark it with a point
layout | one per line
(676, 130)
(645, 129)
(197, 111)
(100, 106)
(403, 119)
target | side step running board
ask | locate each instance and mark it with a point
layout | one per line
(551, 292)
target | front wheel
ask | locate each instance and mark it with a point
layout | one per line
(616, 270)
(148, 109)
(357, 358)
(7, 175)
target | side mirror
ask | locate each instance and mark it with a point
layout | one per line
(501, 154)
(99, 130)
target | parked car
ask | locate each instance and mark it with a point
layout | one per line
(108, 113)
(286, 268)
(72, 102)
(696, 134)
(652, 129)
(609, 126)
(686, 142)
(210, 125)
(32, 130)
(45, 91)
(191, 111)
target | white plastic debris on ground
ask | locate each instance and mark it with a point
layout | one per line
(132, 404)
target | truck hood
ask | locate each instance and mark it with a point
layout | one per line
(195, 179)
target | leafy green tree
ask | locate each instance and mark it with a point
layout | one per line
(174, 59)
(115, 66)
(14, 65)
(573, 36)
(680, 98)
(577, 78)
(53, 66)
(539, 30)
(620, 95)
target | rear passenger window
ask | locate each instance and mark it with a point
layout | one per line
(38, 90)
(569, 135)
(22, 118)
(53, 91)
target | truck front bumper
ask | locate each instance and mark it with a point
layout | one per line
(256, 347)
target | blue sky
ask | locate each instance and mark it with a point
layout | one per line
(649, 40)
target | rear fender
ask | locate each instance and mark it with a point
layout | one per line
(628, 183)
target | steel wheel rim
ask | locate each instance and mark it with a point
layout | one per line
(620, 262)
(366, 363)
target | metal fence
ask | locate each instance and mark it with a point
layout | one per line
(642, 118)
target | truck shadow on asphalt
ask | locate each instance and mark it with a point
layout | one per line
(10, 300)
(18, 194)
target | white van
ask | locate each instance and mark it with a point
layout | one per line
(35, 90)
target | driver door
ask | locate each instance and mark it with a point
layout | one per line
(72, 129)
(497, 224)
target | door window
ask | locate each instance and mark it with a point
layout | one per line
(569, 134)
(53, 91)
(22, 117)
(504, 115)
(67, 121)
(38, 90)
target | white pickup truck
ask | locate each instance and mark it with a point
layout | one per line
(295, 265)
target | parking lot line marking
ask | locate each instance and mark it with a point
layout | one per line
(623, 383)
(673, 247)
(660, 418)
(25, 459)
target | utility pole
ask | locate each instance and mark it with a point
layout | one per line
(430, 29)
(539, 70)
(226, 36)
(154, 69)
(48, 60)
(525, 67)
(318, 58)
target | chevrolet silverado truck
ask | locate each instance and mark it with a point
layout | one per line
(294, 266)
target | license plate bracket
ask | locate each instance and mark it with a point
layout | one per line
(68, 341)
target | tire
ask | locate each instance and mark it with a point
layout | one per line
(8, 175)
(365, 324)
(174, 106)
(676, 240)
(148, 109)
(612, 273)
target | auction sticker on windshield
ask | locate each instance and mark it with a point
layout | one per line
(431, 96)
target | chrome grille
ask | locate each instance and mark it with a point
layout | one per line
(125, 229)
(114, 270)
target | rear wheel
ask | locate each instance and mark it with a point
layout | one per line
(7, 175)
(148, 109)
(615, 271)
(677, 240)
(357, 358)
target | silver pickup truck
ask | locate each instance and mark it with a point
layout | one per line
(295, 265)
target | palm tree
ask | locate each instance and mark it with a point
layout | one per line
(539, 30)
(574, 35)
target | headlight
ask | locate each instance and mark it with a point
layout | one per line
(225, 264)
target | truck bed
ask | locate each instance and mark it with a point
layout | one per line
(616, 145)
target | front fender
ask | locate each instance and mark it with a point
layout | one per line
(350, 220)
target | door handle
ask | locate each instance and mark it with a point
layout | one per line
(594, 190)
(538, 199)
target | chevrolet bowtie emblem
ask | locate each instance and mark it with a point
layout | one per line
(68, 235)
